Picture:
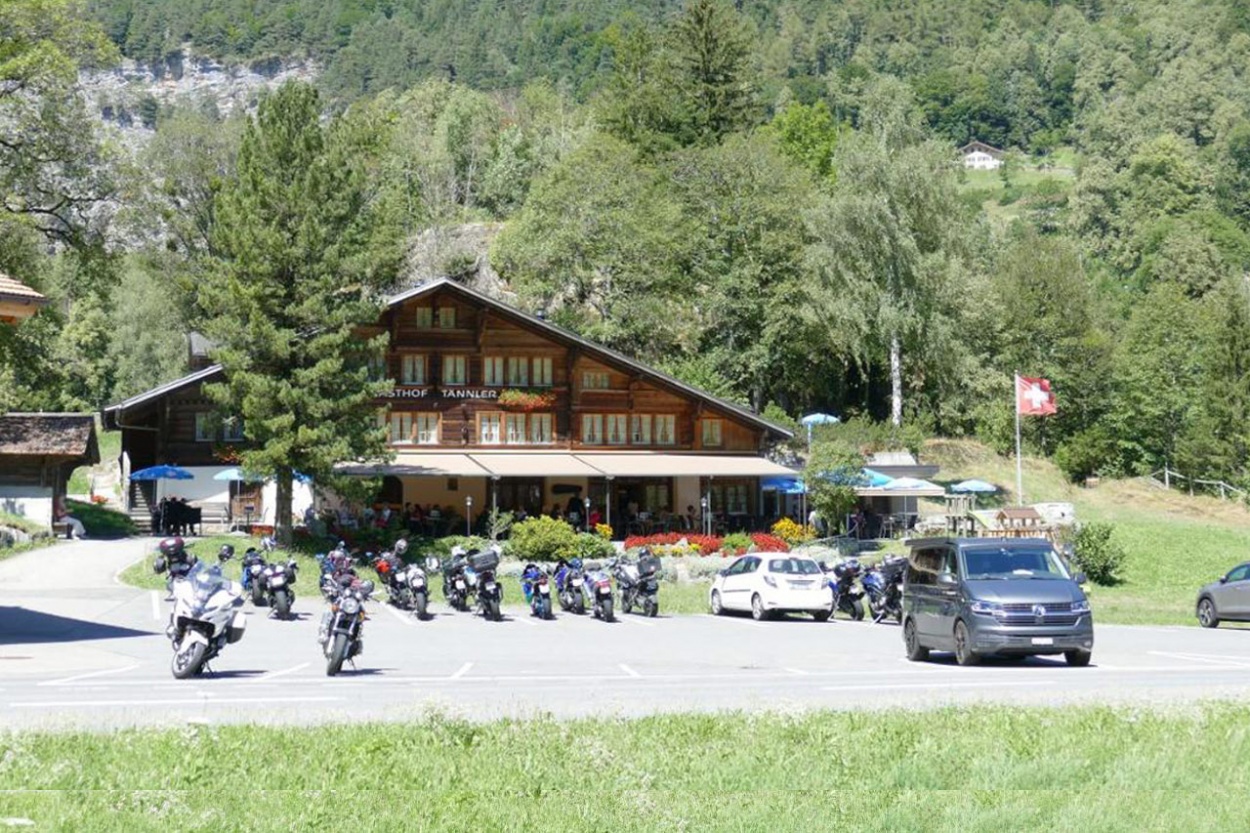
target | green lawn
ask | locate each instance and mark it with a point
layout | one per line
(1175, 543)
(110, 449)
(1001, 768)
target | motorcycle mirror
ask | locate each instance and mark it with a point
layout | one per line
(158, 566)
(432, 563)
(1079, 578)
(367, 587)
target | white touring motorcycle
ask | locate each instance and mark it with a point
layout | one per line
(206, 617)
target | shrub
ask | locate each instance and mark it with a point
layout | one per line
(1097, 554)
(736, 543)
(792, 532)
(769, 543)
(592, 546)
(603, 531)
(543, 539)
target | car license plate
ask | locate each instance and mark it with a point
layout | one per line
(1043, 640)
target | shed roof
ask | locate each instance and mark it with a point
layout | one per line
(49, 435)
(18, 291)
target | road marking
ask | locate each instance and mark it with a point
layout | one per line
(283, 672)
(90, 674)
(631, 621)
(796, 671)
(988, 686)
(1211, 659)
(631, 672)
(156, 605)
(407, 620)
(197, 701)
(464, 669)
(523, 620)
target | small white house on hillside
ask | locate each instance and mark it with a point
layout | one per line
(979, 156)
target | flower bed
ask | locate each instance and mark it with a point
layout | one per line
(680, 543)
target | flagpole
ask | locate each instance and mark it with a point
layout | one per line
(1019, 462)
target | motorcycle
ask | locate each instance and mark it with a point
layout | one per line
(846, 596)
(406, 584)
(597, 585)
(569, 585)
(883, 586)
(456, 585)
(536, 585)
(639, 584)
(489, 592)
(335, 565)
(253, 570)
(277, 581)
(341, 635)
(205, 618)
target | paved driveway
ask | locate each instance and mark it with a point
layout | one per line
(77, 648)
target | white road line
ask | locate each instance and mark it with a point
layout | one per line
(988, 686)
(282, 673)
(524, 620)
(1210, 659)
(90, 674)
(629, 620)
(631, 672)
(196, 701)
(407, 620)
(796, 671)
(156, 605)
(464, 669)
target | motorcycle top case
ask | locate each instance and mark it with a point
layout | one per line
(648, 565)
(483, 561)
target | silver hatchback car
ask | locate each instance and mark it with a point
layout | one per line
(1227, 599)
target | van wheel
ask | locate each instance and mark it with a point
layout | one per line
(964, 655)
(911, 640)
(1206, 614)
(1078, 658)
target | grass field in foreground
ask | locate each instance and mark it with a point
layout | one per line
(1005, 768)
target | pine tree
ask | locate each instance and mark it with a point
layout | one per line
(299, 259)
(712, 51)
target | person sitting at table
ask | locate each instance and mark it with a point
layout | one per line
(595, 518)
(690, 520)
(75, 527)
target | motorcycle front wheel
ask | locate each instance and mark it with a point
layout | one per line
(856, 610)
(338, 653)
(188, 660)
(282, 604)
(258, 595)
(651, 607)
(579, 603)
(626, 603)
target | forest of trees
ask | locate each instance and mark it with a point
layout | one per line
(762, 198)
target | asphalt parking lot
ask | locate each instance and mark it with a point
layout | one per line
(94, 655)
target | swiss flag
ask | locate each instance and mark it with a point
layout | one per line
(1034, 396)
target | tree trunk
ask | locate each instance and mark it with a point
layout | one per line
(896, 381)
(282, 511)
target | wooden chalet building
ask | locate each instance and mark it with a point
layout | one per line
(18, 301)
(38, 453)
(493, 404)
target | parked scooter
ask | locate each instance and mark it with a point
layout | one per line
(847, 597)
(597, 586)
(883, 587)
(456, 585)
(536, 585)
(340, 637)
(638, 582)
(569, 588)
(205, 617)
(482, 566)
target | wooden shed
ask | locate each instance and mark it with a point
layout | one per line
(38, 452)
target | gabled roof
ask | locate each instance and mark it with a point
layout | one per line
(168, 387)
(49, 435)
(608, 355)
(12, 290)
(974, 146)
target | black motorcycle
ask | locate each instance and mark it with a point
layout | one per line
(456, 586)
(639, 584)
(846, 596)
(883, 587)
(482, 566)
(253, 567)
(278, 584)
(342, 639)
(569, 588)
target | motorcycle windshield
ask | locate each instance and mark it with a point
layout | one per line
(205, 581)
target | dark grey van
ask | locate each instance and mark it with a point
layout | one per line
(993, 596)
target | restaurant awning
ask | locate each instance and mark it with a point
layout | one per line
(414, 464)
(535, 465)
(644, 464)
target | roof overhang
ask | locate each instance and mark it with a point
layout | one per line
(564, 464)
(112, 413)
(554, 464)
(415, 464)
(878, 491)
(659, 464)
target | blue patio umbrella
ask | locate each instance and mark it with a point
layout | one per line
(817, 419)
(875, 478)
(977, 486)
(162, 473)
(236, 474)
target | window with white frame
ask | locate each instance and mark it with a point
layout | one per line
(712, 432)
(592, 429)
(204, 427)
(665, 429)
(427, 429)
(518, 371)
(542, 373)
(425, 318)
(489, 426)
(540, 429)
(412, 369)
(514, 429)
(377, 367)
(401, 427)
(640, 429)
(455, 370)
(492, 371)
(618, 429)
(447, 318)
(232, 429)
(595, 380)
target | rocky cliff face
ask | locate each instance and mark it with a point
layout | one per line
(129, 97)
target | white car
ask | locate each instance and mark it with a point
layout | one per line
(770, 582)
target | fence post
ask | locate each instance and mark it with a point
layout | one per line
(1167, 477)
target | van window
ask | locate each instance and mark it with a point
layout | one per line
(1010, 562)
(927, 563)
